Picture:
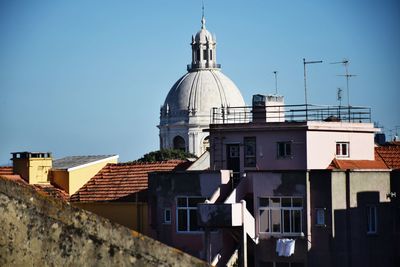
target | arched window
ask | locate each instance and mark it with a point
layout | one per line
(179, 143)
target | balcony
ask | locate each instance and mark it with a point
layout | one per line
(290, 113)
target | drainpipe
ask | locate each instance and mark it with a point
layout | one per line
(244, 245)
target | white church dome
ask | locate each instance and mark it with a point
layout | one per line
(187, 108)
(202, 90)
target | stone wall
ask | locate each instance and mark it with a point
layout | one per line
(38, 230)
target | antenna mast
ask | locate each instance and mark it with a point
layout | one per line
(346, 63)
(276, 82)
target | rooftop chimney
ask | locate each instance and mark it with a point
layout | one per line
(33, 167)
(268, 108)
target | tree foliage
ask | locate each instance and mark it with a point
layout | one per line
(165, 154)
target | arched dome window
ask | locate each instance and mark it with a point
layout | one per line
(179, 143)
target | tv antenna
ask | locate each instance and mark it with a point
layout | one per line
(305, 81)
(339, 96)
(276, 82)
(346, 63)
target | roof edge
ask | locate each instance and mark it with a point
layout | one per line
(91, 163)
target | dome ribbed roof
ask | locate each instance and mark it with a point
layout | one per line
(203, 36)
(201, 91)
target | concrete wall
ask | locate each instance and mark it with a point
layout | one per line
(129, 214)
(344, 240)
(37, 231)
(321, 147)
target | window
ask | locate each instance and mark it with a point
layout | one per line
(205, 54)
(280, 215)
(371, 220)
(167, 216)
(342, 149)
(320, 216)
(198, 54)
(284, 149)
(210, 54)
(187, 213)
(250, 152)
(179, 143)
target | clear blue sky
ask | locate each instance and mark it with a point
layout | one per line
(88, 77)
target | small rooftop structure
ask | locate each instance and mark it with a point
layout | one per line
(71, 162)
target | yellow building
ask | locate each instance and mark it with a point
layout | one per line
(71, 173)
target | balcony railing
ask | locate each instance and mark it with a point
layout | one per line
(203, 66)
(290, 113)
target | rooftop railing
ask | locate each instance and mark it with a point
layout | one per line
(290, 113)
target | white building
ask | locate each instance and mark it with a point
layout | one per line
(187, 110)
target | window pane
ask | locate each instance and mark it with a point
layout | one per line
(286, 221)
(193, 201)
(181, 202)
(338, 149)
(182, 220)
(286, 202)
(264, 221)
(288, 149)
(344, 149)
(281, 149)
(193, 221)
(264, 202)
(297, 202)
(276, 221)
(205, 54)
(275, 202)
(296, 221)
(250, 146)
(167, 215)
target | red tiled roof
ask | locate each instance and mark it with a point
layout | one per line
(45, 189)
(6, 170)
(118, 180)
(343, 164)
(390, 154)
(52, 191)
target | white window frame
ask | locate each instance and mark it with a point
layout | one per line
(342, 153)
(291, 210)
(285, 155)
(372, 216)
(165, 216)
(187, 209)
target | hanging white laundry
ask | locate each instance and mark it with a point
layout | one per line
(289, 247)
(285, 247)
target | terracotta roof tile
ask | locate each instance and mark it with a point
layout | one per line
(6, 170)
(46, 189)
(345, 164)
(390, 154)
(119, 180)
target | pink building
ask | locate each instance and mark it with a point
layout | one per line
(307, 177)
